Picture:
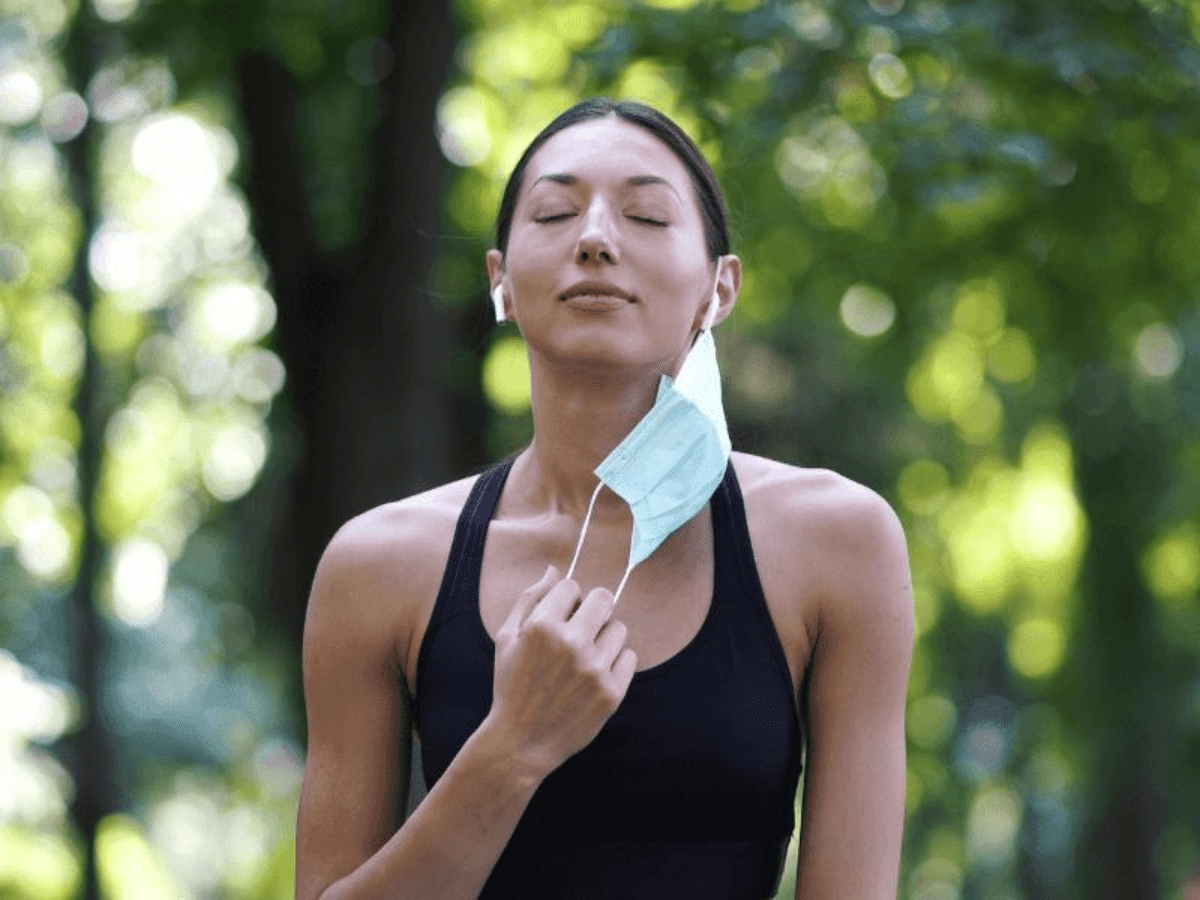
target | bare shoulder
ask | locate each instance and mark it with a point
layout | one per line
(380, 573)
(793, 490)
(838, 538)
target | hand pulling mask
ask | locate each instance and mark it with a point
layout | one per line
(668, 466)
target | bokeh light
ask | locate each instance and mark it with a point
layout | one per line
(1171, 565)
(506, 375)
(139, 581)
(866, 310)
(20, 97)
(1158, 351)
(992, 825)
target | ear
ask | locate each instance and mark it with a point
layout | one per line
(729, 285)
(495, 269)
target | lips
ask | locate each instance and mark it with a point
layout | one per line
(596, 295)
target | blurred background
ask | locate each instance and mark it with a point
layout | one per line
(242, 298)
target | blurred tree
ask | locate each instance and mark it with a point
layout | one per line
(371, 355)
(171, 308)
(967, 230)
(96, 793)
(343, 178)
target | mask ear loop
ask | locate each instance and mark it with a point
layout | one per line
(579, 546)
(621, 586)
(711, 313)
(583, 531)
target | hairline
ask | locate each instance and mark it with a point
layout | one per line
(713, 213)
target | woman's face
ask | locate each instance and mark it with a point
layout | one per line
(606, 258)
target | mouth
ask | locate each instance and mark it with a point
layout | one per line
(596, 295)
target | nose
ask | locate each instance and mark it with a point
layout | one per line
(597, 241)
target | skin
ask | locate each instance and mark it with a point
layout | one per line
(830, 553)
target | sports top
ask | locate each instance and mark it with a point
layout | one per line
(688, 789)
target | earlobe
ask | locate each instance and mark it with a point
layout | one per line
(729, 284)
(726, 286)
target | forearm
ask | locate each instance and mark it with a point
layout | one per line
(449, 845)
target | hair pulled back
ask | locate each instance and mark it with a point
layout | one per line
(708, 192)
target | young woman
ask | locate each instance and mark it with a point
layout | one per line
(577, 746)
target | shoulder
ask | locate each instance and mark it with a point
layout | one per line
(381, 570)
(838, 538)
(396, 534)
(829, 508)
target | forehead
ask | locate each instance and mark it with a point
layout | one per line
(608, 148)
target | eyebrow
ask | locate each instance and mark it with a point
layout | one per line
(566, 178)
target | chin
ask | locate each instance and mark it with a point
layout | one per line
(607, 354)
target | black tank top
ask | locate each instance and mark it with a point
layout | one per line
(689, 788)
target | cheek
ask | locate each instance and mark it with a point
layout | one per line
(530, 262)
(677, 270)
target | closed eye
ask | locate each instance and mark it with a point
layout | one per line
(557, 217)
(646, 220)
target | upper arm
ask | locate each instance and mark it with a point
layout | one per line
(853, 811)
(359, 732)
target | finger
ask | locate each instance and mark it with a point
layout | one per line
(610, 642)
(556, 605)
(623, 669)
(529, 598)
(595, 610)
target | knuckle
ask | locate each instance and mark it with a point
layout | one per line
(577, 644)
(594, 679)
(539, 630)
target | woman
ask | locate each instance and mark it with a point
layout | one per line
(577, 747)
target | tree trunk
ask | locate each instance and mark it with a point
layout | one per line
(1117, 698)
(89, 753)
(366, 347)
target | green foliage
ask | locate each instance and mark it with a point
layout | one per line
(969, 234)
(968, 231)
(177, 321)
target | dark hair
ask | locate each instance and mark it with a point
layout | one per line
(708, 191)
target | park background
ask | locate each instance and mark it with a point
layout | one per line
(242, 298)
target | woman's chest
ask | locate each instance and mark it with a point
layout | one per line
(663, 605)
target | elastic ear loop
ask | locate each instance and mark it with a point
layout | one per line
(579, 546)
(712, 309)
(583, 532)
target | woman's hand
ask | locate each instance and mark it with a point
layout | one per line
(562, 668)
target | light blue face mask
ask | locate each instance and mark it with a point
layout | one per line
(668, 466)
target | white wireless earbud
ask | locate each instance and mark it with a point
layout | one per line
(498, 303)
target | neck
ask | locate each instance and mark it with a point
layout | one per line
(579, 417)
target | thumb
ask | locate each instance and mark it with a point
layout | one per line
(528, 599)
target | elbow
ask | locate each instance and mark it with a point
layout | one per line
(345, 888)
(334, 890)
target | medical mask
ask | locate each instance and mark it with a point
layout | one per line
(668, 466)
